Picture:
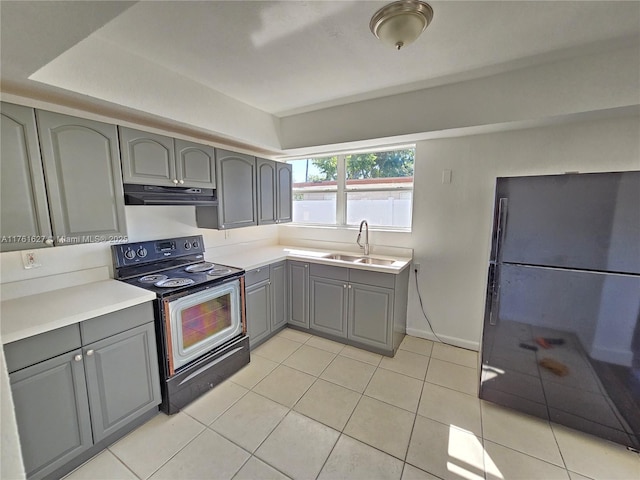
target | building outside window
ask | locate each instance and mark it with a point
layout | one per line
(345, 189)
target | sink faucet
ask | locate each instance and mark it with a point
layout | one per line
(366, 237)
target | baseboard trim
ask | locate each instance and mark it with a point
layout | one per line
(458, 342)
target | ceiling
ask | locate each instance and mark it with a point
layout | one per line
(289, 57)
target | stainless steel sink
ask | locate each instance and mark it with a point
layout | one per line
(375, 261)
(344, 258)
(354, 259)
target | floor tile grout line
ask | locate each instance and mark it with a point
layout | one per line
(117, 458)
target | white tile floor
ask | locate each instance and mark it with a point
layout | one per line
(308, 408)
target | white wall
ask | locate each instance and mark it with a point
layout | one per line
(583, 84)
(143, 223)
(452, 222)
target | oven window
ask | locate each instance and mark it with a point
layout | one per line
(205, 320)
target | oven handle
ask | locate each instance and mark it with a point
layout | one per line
(212, 364)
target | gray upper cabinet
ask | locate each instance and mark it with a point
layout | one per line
(298, 276)
(147, 158)
(24, 213)
(237, 193)
(195, 164)
(284, 197)
(152, 159)
(52, 412)
(82, 166)
(274, 192)
(266, 183)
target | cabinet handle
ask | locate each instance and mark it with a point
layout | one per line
(306, 266)
(77, 358)
(258, 270)
(175, 181)
(269, 282)
(344, 286)
(49, 242)
(89, 353)
(181, 182)
(349, 286)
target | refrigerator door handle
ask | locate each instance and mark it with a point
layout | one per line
(501, 226)
(495, 265)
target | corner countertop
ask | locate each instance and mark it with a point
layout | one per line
(34, 314)
(258, 257)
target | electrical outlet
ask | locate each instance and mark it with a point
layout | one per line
(416, 267)
(29, 260)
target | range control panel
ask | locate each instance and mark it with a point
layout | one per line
(126, 254)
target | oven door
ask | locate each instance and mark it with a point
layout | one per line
(198, 323)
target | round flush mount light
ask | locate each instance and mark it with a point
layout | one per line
(401, 23)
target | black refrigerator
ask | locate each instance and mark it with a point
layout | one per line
(561, 336)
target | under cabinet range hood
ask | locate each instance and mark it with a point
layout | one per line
(158, 195)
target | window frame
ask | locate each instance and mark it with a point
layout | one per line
(341, 190)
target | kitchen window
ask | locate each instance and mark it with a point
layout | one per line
(344, 189)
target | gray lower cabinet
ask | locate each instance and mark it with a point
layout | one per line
(237, 193)
(365, 308)
(328, 306)
(298, 276)
(279, 295)
(105, 380)
(370, 318)
(258, 304)
(24, 213)
(61, 180)
(266, 301)
(52, 412)
(116, 398)
(152, 159)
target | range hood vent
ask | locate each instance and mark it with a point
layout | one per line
(157, 195)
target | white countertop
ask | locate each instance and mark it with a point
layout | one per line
(257, 257)
(34, 314)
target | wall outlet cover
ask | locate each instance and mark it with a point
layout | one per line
(29, 260)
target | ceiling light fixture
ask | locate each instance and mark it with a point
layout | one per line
(401, 23)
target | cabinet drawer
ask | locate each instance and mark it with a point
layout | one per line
(378, 279)
(106, 325)
(32, 350)
(327, 271)
(256, 275)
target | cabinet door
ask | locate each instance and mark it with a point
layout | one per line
(284, 198)
(195, 164)
(122, 378)
(52, 412)
(370, 318)
(328, 306)
(298, 273)
(147, 158)
(84, 181)
(266, 191)
(23, 200)
(278, 275)
(258, 300)
(236, 181)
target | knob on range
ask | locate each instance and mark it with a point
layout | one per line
(195, 244)
(142, 252)
(129, 253)
(187, 245)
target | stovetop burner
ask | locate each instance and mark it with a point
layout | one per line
(200, 267)
(174, 282)
(219, 270)
(152, 278)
